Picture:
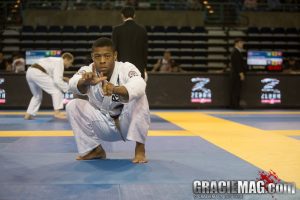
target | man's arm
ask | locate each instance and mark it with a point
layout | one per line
(134, 85)
(156, 66)
(87, 79)
(58, 73)
(109, 89)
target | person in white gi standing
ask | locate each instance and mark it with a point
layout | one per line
(117, 108)
(47, 75)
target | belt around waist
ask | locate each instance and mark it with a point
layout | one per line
(37, 66)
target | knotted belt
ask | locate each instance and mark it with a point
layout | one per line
(37, 66)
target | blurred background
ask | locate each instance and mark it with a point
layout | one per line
(199, 34)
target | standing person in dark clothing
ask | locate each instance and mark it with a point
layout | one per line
(237, 73)
(131, 41)
(3, 62)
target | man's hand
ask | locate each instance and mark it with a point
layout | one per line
(87, 79)
(91, 78)
(107, 88)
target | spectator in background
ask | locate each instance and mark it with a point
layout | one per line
(274, 4)
(250, 4)
(133, 3)
(3, 62)
(18, 64)
(291, 65)
(9, 65)
(194, 5)
(131, 41)
(237, 73)
(176, 68)
(164, 64)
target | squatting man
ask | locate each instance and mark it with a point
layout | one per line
(117, 108)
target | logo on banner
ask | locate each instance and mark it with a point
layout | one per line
(2, 92)
(269, 94)
(200, 94)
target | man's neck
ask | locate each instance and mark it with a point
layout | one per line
(127, 19)
(240, 50)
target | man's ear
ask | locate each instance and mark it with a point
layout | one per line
(115, 55)
(92, 57)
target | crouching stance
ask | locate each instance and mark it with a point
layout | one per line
(117, 108)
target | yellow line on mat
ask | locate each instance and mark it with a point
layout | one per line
(267, 151)
(254, 113)
(61, 133)
(209, 112)
(285, 132)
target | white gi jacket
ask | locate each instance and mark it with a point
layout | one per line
(134, 115)
(54, 67)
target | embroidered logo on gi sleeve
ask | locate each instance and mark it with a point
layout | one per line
(115, 97)
(80, 72)
(132, 74)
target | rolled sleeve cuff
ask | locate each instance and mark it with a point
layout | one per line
(73, 85)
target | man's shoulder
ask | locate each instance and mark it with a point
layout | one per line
(118, 26)
(127, 69)
(139, 26)
(132, 24)
(47, 60)
(124, 65)
(235, 51)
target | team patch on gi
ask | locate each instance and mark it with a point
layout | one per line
(132, 74)
(115, 97)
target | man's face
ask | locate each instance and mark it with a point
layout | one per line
(167, 55)
(68, 63)
(292, 62)
(104, 59)
(240, 44)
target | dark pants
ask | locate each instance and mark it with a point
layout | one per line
(235, 91)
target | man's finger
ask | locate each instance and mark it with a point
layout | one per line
(99, 79)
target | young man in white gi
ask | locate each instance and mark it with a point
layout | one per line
(47, 75)
(117, 108)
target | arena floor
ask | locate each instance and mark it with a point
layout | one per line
(37, 157)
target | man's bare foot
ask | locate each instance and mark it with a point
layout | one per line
(28, 116)
(96, 153)
(140, 152)
(60, 115)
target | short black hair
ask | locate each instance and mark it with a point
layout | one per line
(128, 11)
(103, 42)
(236, 40)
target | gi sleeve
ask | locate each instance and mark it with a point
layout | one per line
(134, 83)
(74, 81)
(58, 73)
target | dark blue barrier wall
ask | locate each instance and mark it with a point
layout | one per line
(185, 90)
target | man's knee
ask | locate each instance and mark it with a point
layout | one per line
(72, 105)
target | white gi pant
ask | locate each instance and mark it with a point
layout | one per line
(39, 81)
(92, 126)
